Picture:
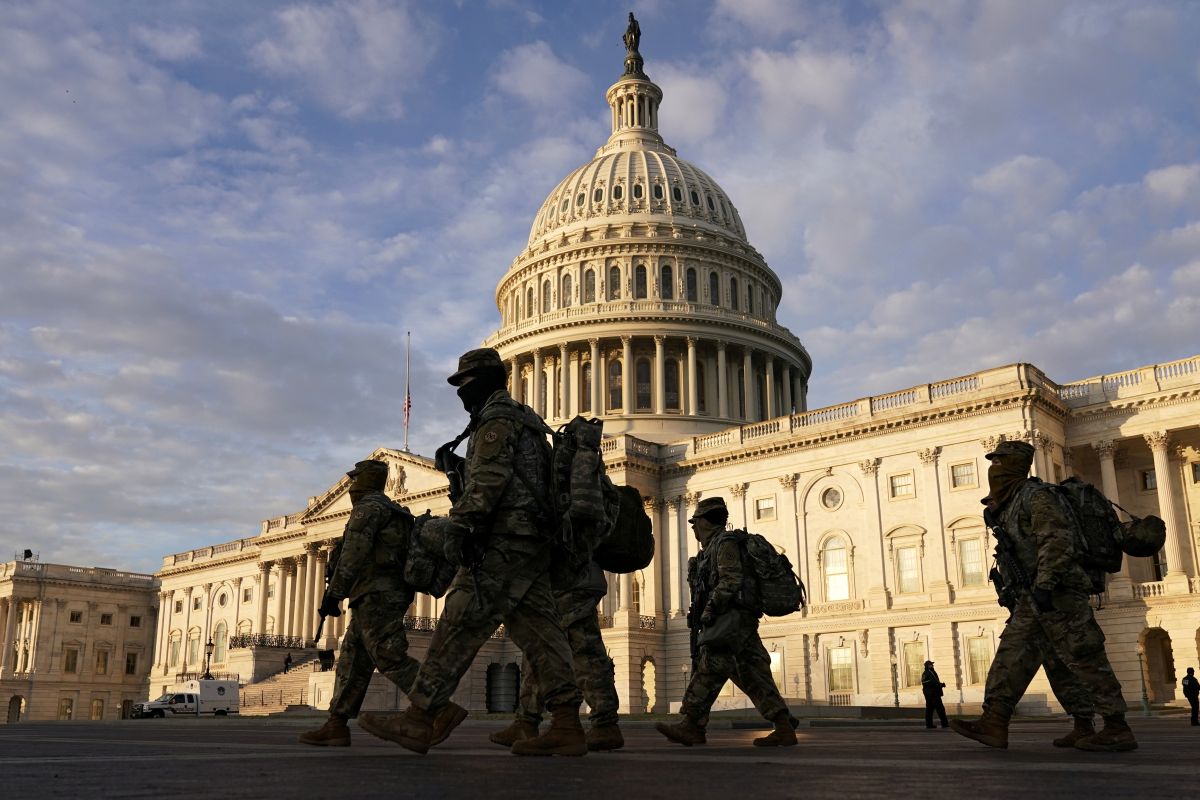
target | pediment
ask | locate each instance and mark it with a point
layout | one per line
(408, 474)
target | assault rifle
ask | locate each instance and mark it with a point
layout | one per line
(696, 609)
(330, 567)
(1007, 563)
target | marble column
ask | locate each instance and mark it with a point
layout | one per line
(9, 632)
(674, 548)
(693, 392)
(1121, 584)
(683, 511)
(185, 637)
(564, 383)
(535, 384)
(264, 581)
(160, 633)
(932, 489)
(280, 597)
(722, 382)
(769, 386)
(748, 413)
(598, 378)
(295, 582)
(627, 375)
(660, 375)
(1164, 477)
(551, 388)
(514, 380)
(311, 601)
(785, 384)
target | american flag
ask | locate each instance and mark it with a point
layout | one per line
(407, 407)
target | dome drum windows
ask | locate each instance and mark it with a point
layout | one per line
(690, 288)
(614, 283)
(580, 199)
(667, 282)
(598, 195)
(546, 297)
(714, 289)
(677, 194)
(589, 286)
(618, 192)
(565, 297)
(658, 191)
(639, 282)
(637, 191)
(711, 205)
(695, 198)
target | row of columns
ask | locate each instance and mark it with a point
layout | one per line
(566, 366)
(21, 622)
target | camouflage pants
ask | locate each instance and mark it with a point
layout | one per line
(514, 589)
(593, 668)
(375, 639)
(748, 666)
(1069, 642)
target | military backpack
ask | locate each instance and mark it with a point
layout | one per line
(425, 570)
(770, 585)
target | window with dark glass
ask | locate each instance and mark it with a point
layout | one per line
(639, 282)
(642, 386)
(658, 192)
(589, 286)
(667, 282)
(580, 198)
(565, 203)
(617, 192)
(690, 285)
(614, 385)
(733, 294)
(714, 289)
(701, 394)
(614, 283)
(565, 298)
(597, 195)
(545, 297)
(585, 391)
(695, 198)
(711, 206)
(671, 385)
(529, 306)
(750, 297)
(637, 191)
(131, 660)
(677, 194)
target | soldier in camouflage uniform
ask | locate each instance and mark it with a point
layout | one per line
(585, 587)
(498, 529)
(366, 568)
(1051, 618)
(725, 636)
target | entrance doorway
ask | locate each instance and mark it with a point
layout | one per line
(15, 706)
(1159, 665)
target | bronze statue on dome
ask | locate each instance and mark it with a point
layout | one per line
(632, 38)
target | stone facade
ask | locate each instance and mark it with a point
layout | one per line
(77, 641)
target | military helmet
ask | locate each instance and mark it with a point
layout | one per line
(369, 475)
(473, 362)
(1143, 536)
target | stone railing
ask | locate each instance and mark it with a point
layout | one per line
(605, 621)
(421, 623)
(1143, 380)
(35, 569)
(1151, 589)
(647, 623)
(266, 640)
(183, 677)
(837, 607)
(204, 553)
(841, 699)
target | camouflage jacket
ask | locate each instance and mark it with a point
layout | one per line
(370, 556)
(1043, 529)
(715, 578)
(507, 481)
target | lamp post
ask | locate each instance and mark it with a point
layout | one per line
(208, 651)
(1141, 654)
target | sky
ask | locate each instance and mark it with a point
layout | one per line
(218, 220)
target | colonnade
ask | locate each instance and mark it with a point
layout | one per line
(682, 375)
(21, 623)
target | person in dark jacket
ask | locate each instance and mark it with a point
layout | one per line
(1191, 690)
(932, 686)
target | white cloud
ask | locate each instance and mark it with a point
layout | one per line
(170, 44)
(697, 104)
(1175, 184)
(536, 76)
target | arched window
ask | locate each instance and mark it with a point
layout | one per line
(677, 194)
(617, 192)
(701, 395)
(733, 294)
(529, 306)
(614, 385)
(750, 297)
(835, 567)
(642, 386)
(672, 385)
(585, 391)
(545, 297)
(220, 642)
(635, 588)
(614, 283)
(565, 297)
(193, 646)
(597, 195)
(589, 286)
(173, 648)
(658, 192)
(714, 289)
(667, 282)
(639, 282)
(637, 191)
(690, 285)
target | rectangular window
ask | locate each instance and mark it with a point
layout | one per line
(970, 557)
(764, 508)
(270, 591)
(1148, 480)
(979, 659)
(66, 708)
(837, 576)
(962, 476)
(97, 709)
(841, 669)
(914, 663)
(247, 595)
(106, 619)
(131, 660)
(71, 661)
(196, 604)
(76, 616)
(178, 606)
(173, 652)
(135, 621)
(901, 485)
(101, 662)
(908, 570)
(1195, 472)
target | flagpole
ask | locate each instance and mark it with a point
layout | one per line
(407, 384)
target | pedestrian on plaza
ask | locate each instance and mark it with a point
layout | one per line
(932, 686)
(287, 662)
(1191, 690)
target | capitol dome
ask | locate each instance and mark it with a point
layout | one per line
(638, 298)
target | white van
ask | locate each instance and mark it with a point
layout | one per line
(193, 698)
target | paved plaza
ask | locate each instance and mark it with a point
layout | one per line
(215, 758)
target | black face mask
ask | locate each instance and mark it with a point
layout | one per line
(475, 393)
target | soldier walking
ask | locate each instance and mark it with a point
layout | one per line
(1191, 690)
(932, 686)
(727, 646)
(498, 530)
(367, 567)
(1047, 591)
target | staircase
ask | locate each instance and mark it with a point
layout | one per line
(274, 694)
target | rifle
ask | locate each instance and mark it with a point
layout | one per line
(1006, 558)
(330, 567)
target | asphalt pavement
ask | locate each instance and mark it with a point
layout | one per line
(257, 757)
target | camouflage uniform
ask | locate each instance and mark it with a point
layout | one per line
(728, 646)
(593, 668)
(502, 508)
(1043, 531)
(368, 571)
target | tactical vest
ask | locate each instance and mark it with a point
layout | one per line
(529, 489)
(1017, 519)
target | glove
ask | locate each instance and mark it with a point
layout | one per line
(330, 606)
(1044, 600)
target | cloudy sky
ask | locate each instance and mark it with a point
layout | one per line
(218, 219)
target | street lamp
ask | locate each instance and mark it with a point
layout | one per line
(208, 651)
(1141, 654)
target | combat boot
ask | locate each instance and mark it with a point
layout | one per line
(686, 733)
(565, 737)
(1115, 737)
(412, 730)
(445, 721)
(1083, 727)
(333, 733)
(990, 729)
(519, 729)
(605, 737)
(784, 734)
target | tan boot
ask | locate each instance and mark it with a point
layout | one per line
(333, 733)
(446, 720)
(565, 737)
(1114, 738)
(412, 730)
(605, 738)
(686, 733)
(518, 730)
(990, 729)
(1083, 727)
(784, 734)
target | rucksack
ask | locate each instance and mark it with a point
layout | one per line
(424, 570)
(584, 500)
(770, 586)
(629, 546)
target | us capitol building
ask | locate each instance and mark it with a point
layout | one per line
(640, 300)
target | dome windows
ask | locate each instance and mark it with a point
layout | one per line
(598, 195)
(583, 196)
(658, 191)
(589, 286)
(637, 191)
(690, 285)
(733, 294)
(566, 203)
(711, 205)
(545, 297)
(714, 289)
(695, 198)
(614, 283)
(677, 194)
(667, 282)
(566, 291)
(639, 282)
(618, 192)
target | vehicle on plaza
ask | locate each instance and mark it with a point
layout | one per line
(193, 698)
